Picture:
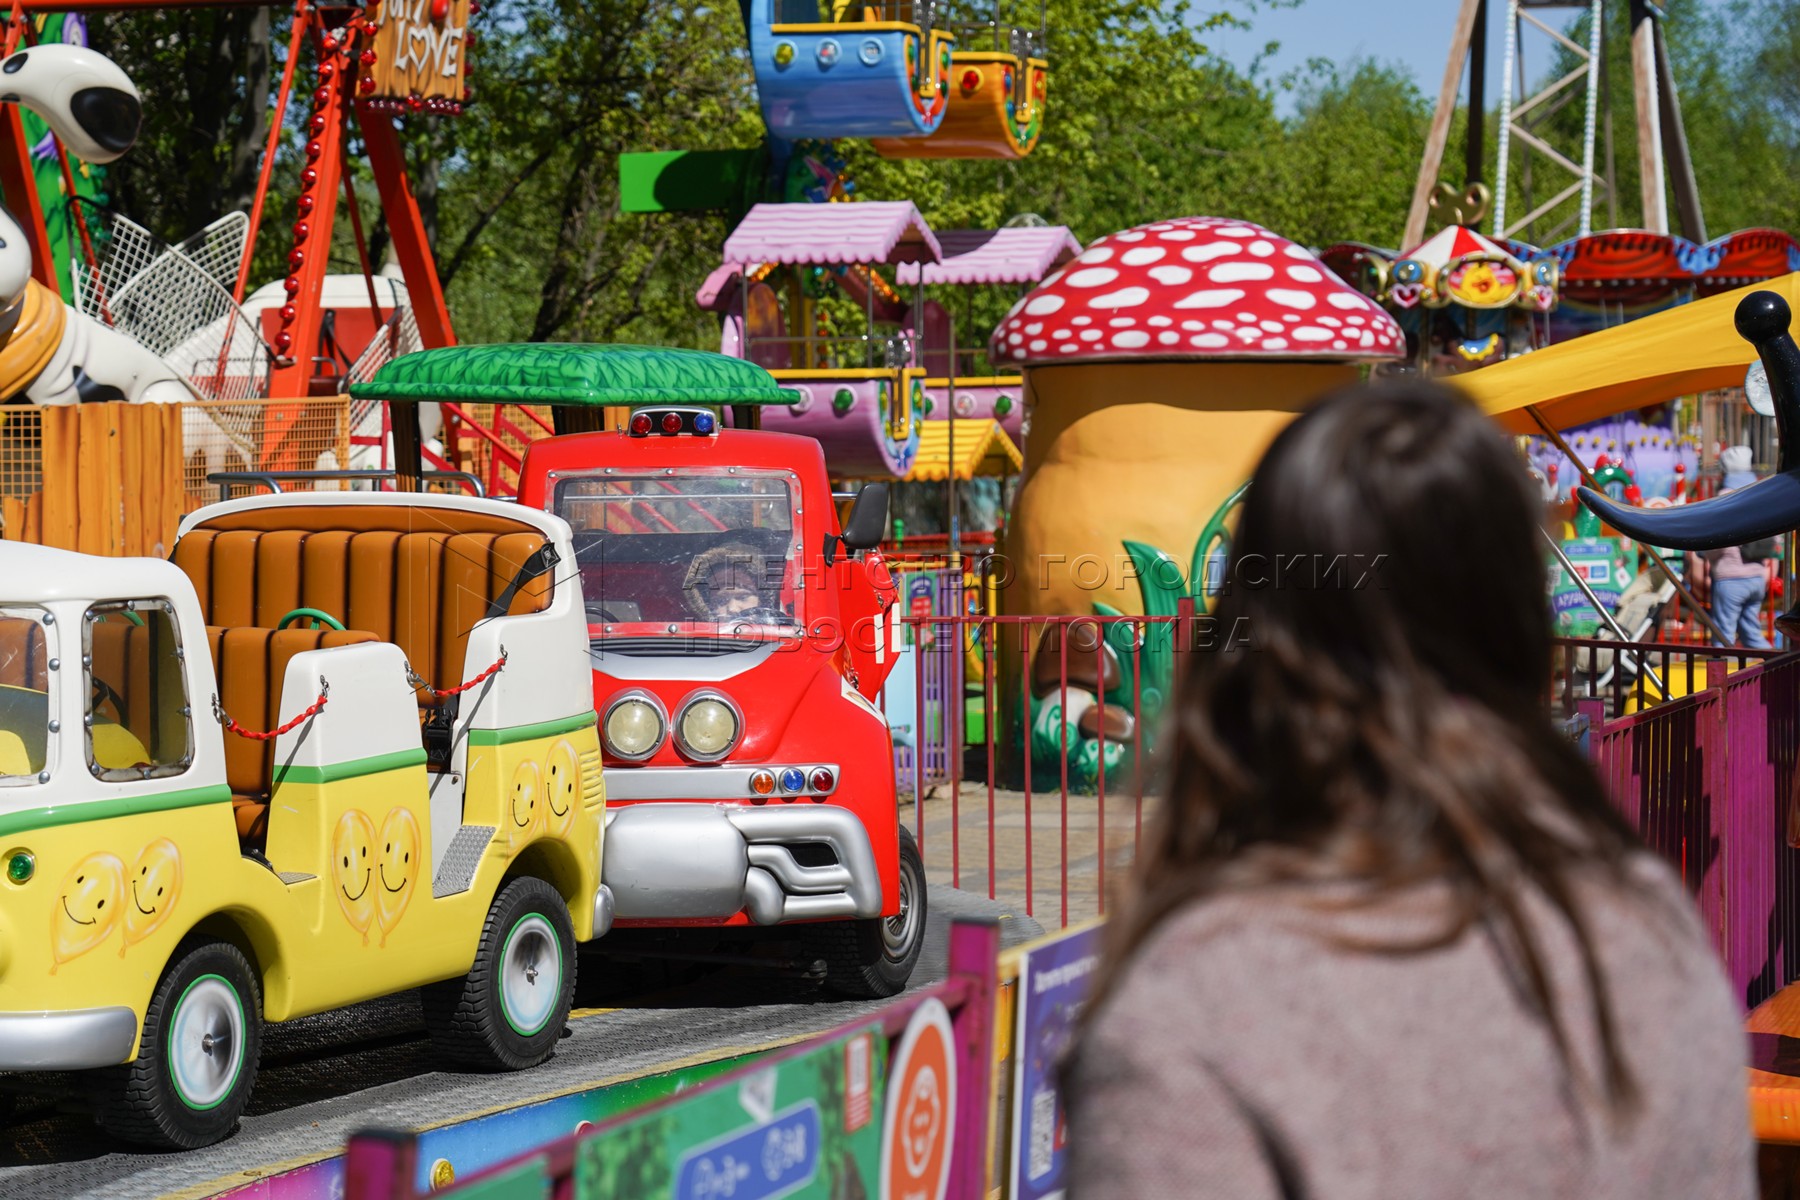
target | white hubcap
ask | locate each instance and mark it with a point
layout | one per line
(206, 1042)
(899, 930)
(531, 973)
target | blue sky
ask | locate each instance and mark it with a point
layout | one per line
(1414, 34)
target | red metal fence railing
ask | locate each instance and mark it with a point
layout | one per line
(1026, 747)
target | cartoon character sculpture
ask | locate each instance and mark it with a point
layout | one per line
(50, 352)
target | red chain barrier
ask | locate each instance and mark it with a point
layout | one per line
(413, 678)
(310, 711)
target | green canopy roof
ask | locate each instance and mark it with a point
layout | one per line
(574, 374)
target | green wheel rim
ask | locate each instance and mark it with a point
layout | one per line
(205, 1042)
(531, 975)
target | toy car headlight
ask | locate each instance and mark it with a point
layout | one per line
(634, 727)
(707, 727)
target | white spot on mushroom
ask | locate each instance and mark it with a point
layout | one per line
(1035, 327)
(1084, 319)
(1249, 333)
(1020, 353)
(1242, 231)
(1311, 333)
(1211, 298)
(1332, 322)
(1129, 297)
(1130, 235)
(1122, 322)
(1193, 326)
(1168, 337)
(1098, 254)
(1270, 326)
(1016, 338)
(1247, 316)
(1292, 298)
(1241, 272)
(1210, 251)
(1356, 320)
(1159, 321)
(1160, 225)
(1091, 335)
(1068, 348)
(1348, 301)
(1262, 247)
(1089, 277)
(1299, 252)
(1043, 306)
(1227, 326)
(1062, 334)
(1037, 344)
(1171, 276)
(1291, 317)
(1131, 339)
(1275, 344)
(1305, 274)
(1210, 341)
(1178, 235)
(1339, 346)
(1142, 256)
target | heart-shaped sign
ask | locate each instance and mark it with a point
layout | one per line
(1406, 294)
(411, 58)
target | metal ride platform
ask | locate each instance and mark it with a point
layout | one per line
(324, 1077)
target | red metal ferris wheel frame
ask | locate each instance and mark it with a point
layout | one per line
(334, 29)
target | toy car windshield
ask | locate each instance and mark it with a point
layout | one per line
(685, 549)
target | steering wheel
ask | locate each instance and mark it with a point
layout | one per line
(104, 694)
(319, 618)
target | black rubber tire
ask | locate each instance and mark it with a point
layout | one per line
(859, 962)
(141, 1101)
(468, 1017)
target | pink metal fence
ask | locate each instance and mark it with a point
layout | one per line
(1706, 779)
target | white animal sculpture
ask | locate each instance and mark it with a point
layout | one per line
(50, 352)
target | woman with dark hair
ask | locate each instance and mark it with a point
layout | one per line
(1387, 939)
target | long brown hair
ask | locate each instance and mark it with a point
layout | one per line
(1385, 724)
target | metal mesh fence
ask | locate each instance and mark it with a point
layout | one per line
(175, 300)
(271, 435)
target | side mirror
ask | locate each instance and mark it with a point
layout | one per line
(867, 524)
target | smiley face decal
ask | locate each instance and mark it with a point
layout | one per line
(152, 887)
(396, 867)
(353, 869)
(524, 806)
(562, 788)
(87, 908)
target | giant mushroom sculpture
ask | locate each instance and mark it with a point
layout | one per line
(1158, 366)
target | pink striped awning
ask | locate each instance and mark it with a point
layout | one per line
(1022, 255)
(871, 231)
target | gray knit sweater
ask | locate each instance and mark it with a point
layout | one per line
(1243, 1058)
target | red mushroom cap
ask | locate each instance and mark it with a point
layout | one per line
(1195, 287)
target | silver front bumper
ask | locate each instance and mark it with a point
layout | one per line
(67, 1041)
(711, 861)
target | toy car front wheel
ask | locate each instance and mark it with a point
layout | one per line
(875, 958)
(197, 1058)
(509, 1011)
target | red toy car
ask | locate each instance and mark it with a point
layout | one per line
(740, 638)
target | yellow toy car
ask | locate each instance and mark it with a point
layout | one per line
(340, 746)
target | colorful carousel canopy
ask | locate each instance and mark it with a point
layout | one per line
(573, 374)
(1023, 255)
(1691, 348)
(981, 446)
(872, 231)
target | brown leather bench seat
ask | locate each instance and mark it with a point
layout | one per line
(252, 665)
(421, 590)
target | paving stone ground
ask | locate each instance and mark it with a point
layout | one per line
(961, 825)
(324, 1077)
